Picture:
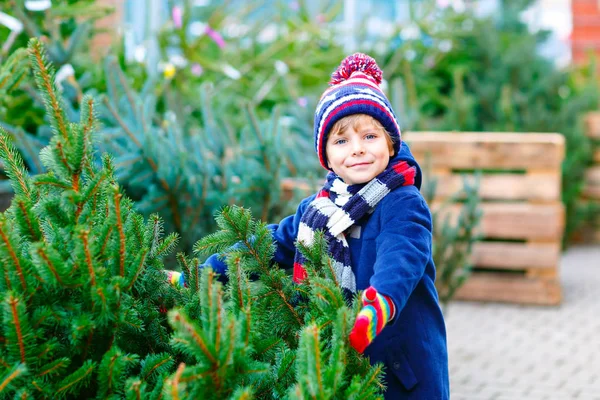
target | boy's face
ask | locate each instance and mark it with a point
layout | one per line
(358, 155)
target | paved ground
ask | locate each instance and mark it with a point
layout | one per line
(510, 352)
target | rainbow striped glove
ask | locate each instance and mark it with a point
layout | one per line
(377, 311)
(175, 278)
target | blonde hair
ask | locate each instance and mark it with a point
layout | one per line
(355, 120)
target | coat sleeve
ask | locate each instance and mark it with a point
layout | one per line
(403, 247)
(284, 235)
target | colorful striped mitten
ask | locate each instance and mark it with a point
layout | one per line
(175, 278)
(376, 312)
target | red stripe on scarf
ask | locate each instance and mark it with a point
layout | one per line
(409, 173)
(322, 193)
(299, 273)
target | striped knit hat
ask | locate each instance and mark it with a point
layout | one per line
(354, 89)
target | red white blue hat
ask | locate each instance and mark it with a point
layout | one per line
(354, 89)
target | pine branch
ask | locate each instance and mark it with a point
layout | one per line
(239, 282)
(25, 213)
(59, 149)
(44, 73)
(126, 88)
(183, 323)
(55, 367)
(117, 199)
(135, 386)
(6, 381)
(309, 360)
(73, 382)
(13, 70)
(111, 372)
(105, 241)
(138, 270)
(174, 382)
(15, 168)
(127, 130)
(93, 187)
(50, 180)
(166, 245)
(88, 256)
(156, 365)
(42, 254)
(16, 311)
(163, 183)
(13, 254)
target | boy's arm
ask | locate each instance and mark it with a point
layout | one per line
(403, 248)
(284, 235)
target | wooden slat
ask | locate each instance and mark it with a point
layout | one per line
(516, 256)
(303, 186)
(540, 222)
(485, 150)
(592, 175)
(592, 125)
(512, 289)
(591, 189)
(536, 187)
(591, 192)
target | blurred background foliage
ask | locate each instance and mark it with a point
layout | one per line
(221, 108)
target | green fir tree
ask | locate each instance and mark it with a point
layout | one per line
(85, 298)
(266, 338)
(82, 278)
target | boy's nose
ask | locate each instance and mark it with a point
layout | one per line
(357, 147)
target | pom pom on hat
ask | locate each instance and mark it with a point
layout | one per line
(354, 89)
(356, 62)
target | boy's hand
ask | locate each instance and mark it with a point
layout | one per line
(376, 312)
(175, 278)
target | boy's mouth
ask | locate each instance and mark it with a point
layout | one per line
(360, 164)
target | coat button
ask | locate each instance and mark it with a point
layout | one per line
(396, 365)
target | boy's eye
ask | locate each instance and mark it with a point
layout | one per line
(370, 136)
(340, 141)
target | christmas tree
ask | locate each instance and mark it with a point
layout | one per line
(77, 310)
(85, 294)
(270, 338)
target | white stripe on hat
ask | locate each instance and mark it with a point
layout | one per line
(353, 81)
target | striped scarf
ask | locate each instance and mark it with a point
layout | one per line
(337, 207)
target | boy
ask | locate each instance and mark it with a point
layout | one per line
(378, 228)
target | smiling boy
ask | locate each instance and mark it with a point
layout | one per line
(378, 229)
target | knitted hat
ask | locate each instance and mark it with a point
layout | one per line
(354, 89)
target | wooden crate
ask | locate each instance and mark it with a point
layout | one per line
(523, 217)
(591, 189)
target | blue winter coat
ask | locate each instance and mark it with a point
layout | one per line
(391, 251)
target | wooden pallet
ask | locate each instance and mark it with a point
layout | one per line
(591, 189)
(523, 217)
